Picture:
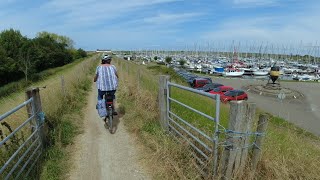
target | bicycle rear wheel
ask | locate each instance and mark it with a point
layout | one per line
(110, 121)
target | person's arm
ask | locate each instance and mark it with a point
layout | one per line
(95, 78)
(115, 71)
(117, 74)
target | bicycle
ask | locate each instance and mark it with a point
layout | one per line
(110, 112)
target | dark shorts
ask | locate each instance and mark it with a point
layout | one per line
(103, 93)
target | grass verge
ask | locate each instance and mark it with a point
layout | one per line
(64, 120)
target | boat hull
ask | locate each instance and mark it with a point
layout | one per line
(260, 73)
(233, 74)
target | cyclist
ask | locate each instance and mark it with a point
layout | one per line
(106, 79)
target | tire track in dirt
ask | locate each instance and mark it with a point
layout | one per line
(101, 155)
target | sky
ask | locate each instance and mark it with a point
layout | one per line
(166, 24)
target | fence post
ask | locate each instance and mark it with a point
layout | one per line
(127, 69)
(29, 109)
(163, 101)
(35, 93)
(235, 154)
(262, 127)
(63, 86)
(248, 122)
(139, 76)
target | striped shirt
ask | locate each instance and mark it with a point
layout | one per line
(107, 79)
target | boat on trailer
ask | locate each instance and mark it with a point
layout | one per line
(233, 72)
(261, 72)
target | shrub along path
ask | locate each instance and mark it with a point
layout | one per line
(101, 155)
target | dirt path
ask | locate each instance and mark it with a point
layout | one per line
(100, 155)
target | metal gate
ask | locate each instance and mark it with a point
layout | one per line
(19, 159)
(204, 146)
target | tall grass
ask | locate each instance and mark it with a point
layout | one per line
(63, 113)
(288, 152)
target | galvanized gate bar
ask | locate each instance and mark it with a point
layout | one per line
(34, 162)
(28, 149)
(186, 106)
(194, 146)
(192, 153)
(27, 162)
(22, 157)
(192, 127)
(3, 116)
(17, 151)
(191, 135)
(216, 137)
(187, 134)
(213, 96)
(16, 130)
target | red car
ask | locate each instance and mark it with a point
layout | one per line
(199, 82)
(233, 95)
(220, 90)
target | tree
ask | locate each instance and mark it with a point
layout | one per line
(68, 42)
(182, 62)
(21, 57)
(155, 58)
(168, 59)
(26, 54)
(8, 67)
(11, 40)
(81, 53)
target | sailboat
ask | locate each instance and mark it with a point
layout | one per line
(233, 70)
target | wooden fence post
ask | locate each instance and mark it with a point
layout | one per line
(262, 127)
(235, 154)
(248, 122)
(127, 69)
(35, 93)
(162, 97)
(139, 77)
(63, 86)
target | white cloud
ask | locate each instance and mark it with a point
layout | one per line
(171, 18)
(254, 3)
(289, 28)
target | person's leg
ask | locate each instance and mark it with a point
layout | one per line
(112, 93)
(101, 94)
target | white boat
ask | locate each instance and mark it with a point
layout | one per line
(260, 72)
(233, 72)
(248, 71)
(306, 77)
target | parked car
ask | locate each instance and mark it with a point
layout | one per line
(199, 82)
(209, 79)
(233, 95)
(220, 90)
(210, 86)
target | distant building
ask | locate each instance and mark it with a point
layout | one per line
(104, 50)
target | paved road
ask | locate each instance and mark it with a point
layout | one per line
(305, 112)
(100, 155)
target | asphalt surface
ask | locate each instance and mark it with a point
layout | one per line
(303, 112)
